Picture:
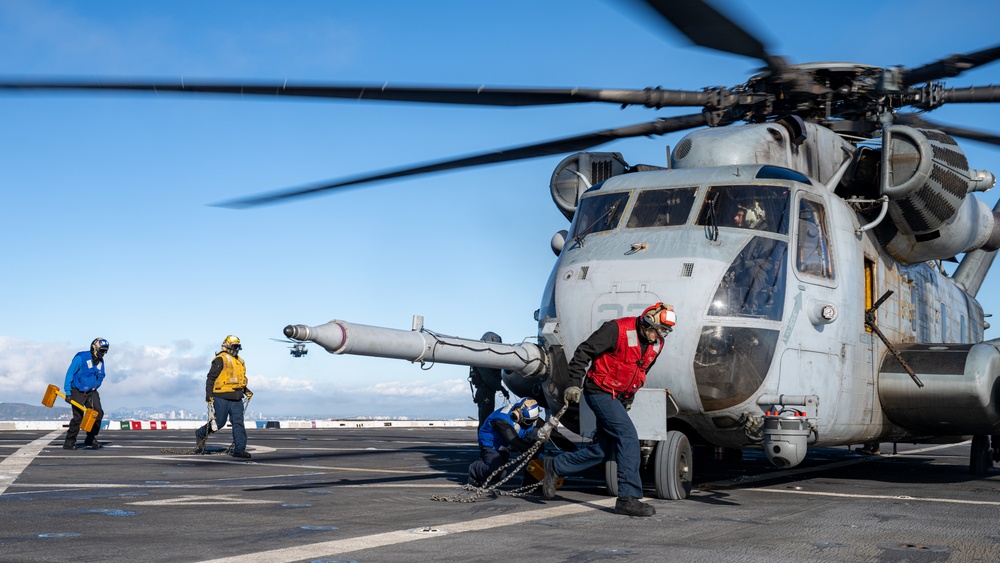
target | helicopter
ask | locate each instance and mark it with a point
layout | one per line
(297, 349)
(797, 231)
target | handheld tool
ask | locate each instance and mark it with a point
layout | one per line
(89, 415)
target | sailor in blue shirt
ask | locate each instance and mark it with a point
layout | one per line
(84, 376)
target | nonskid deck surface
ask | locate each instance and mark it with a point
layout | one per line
(365, 495)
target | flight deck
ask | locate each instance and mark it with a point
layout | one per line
(365, 494)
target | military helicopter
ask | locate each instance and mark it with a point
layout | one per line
(797, 230)
(297, 349)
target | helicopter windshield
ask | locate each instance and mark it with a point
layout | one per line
(730, 364)
(598, 213)
(661, 208)
(762, 208)
(754, 285)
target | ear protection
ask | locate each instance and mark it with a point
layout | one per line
(660, 315)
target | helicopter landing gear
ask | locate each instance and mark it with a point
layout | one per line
(611, 477)
(672, 467)
(980, 456)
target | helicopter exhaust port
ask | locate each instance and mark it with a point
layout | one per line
(786, 436)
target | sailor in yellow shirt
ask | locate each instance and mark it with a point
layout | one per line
(225, 388)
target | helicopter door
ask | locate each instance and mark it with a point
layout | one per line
(812, 363)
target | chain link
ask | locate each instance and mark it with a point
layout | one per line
(521, 461)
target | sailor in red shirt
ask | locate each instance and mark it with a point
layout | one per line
(619, 354)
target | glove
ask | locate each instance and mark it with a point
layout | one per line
(68, 399)
(572, 394)
(542, 434)
(247, 393)
(209, 400)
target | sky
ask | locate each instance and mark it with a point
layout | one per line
(106, 218)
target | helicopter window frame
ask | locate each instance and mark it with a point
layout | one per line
(586, 223)
(820, 265)
(737, 206)
(648, 211)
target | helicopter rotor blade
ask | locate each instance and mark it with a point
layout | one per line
(950, 66)
(482, 96)
(548, 148)
(971, 95)
(707, 27)
(915, 120)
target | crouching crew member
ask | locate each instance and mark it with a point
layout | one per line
(513, 427)
(225, 388)
(619, 353)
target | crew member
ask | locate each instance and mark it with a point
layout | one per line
(225, 388)
(513, 427)
(486, 383)
(84, 376)
(619, 353)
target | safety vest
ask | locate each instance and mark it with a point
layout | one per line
(490, 438)
(623, 371)
(233, 376)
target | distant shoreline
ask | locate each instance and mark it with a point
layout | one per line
(131, 424)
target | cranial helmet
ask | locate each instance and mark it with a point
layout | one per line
(99, 347)
(232, 345)
(491, 337)
(660, 318)
(526, 411)
(755, 215)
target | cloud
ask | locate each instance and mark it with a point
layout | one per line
(174, 374)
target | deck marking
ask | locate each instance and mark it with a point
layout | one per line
(337, 547)
(879, 497)
(12, 466)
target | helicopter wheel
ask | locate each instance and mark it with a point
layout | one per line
(673, 467)
(979, 455)
(611, 477)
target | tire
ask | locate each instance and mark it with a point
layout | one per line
(611, 477)
(979, 455)
(673, 468)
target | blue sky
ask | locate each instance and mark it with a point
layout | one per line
(106, 221)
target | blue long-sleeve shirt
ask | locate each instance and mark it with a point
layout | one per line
(83, 374)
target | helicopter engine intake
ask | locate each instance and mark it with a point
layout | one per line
(927, 178)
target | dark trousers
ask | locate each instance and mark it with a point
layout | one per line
(233, 412)
(91, 400)
(615, 436)
(489, 461)
(486, 398)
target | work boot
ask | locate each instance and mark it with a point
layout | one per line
(631, 506)
(69, 445)
(200, 442)
(550, 479)
(93, 443)
(242, 453)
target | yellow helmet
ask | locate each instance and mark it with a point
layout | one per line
(231, 344)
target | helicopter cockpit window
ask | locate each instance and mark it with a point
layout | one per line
(762, 208)
(754, 285)
(812, 244)
(661, 208)
(730, 364)
(598, 213)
